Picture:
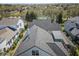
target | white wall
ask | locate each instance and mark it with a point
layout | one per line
(5, 45)
(22, 24)
(2, 45)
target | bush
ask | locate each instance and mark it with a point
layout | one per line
(30, 16)
(8, 50)
(73, 51)
(0, 52)
(59, 18)
(26, 26)
(13, 46)
(21, 35)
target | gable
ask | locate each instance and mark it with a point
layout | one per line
(29, 52)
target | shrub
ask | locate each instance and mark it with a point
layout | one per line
(21, 35)
(8, 50)
(26, 26)
(0, 52)
(30, 16)
(59, 18)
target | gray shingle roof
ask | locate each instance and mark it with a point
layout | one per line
(57, 47)
(74, 19)
(72, 23)
(75, 31)
(68, 25)
(39, 38)
(46, 24)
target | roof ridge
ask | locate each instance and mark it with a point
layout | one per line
(36, 35)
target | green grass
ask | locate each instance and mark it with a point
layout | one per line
(77, 51)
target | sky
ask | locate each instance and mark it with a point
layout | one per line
(36, 1)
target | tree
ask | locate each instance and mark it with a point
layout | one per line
(0, 17)
(27, 16)
(33, 15)
(59, 18)
(30, 16)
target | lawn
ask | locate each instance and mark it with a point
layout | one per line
(77, 51)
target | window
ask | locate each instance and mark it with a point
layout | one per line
(35, 52)
(20, 24)
(4, 49)
(17, 26)
(9, 42)
(1, 40)
(17, 33)
(13, 37)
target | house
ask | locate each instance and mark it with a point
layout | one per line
(72, 28)
(46, 24)
(40, 42)
(7, 37)
(12, 22)
(9, 31)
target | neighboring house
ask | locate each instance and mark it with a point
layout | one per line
(72, 28)
(39, 42)
(7, 37)
(9, 31)
(12, 22)
(46, 24)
